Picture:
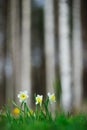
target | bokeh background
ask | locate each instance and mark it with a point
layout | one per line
(43, 48)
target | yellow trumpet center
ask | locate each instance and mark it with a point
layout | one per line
(38, 99)
(52, 97)
(22, 96)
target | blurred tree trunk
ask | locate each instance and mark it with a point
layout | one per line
(49, 44)
(9, 76)
(77, 54)
(26, 48)
(64, 54)
(2, 52)
(13, 43)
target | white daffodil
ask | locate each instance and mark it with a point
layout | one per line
(23, 96)
(39, 99)
(51, 97)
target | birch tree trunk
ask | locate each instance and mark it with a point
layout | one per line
(64, 54)
(49, 44)
(14, 48)
(26, 48)
(77, 54)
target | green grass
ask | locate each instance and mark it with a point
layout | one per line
(23, 118)
(60, 122)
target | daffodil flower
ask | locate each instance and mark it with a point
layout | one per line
(16, 111)
(23, 96)
(51, 97)
(39, 99)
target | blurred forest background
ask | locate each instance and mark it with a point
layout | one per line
(43, 48)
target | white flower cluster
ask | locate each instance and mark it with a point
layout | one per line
(23, 96)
